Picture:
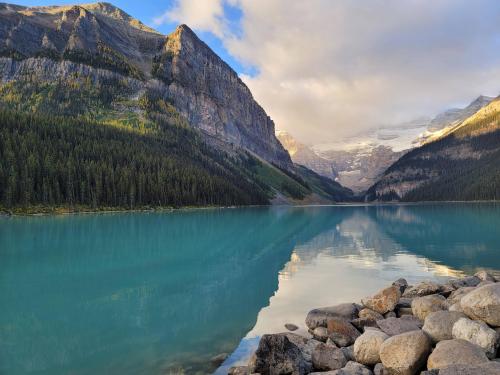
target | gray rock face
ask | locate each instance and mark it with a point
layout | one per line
(378, 369)
(353, 368)
(483, 304)
(396, 326)
(455, 352)
(439, 324)
(383, 301)
(477, 333)
(367, 347)
(465, 282)
(457, 295)
(325, 358)
(423, 306)
(183, 70)
(281, 354)
(318, 317)
(405, 354)
(342, 332)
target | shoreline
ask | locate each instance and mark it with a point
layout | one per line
(428, 329)
(65, 210)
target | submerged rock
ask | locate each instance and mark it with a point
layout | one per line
(383, 301)
(483, 304)
(455, 352)
(219, 359)
(318, 317)
(477, 333)
(405, 354)
(291, 327)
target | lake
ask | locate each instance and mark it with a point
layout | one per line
(164, 292)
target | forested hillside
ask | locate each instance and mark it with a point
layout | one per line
(463, 165)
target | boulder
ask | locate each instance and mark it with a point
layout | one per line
(455, 352)
(325, 358)
(490, 368)
(402, 284)
(348, 352)
(483, 304)
(353, 368)
(422, 289)
(423, 306)
(438, 325)
(396, 326)
(239, 370)
(342, 332)
(378, 369)
(404, 302)
(405, 354)
(283, 353)
(477, 333)
(456, 307)
(383, 301)
(362, 323)
(457, 295)
(483, 283)
(370, 314)
(465, 281)
(320, 333)
(390, 314)
(318, 317)
(367, 347)
(485, 276)
(291, 327)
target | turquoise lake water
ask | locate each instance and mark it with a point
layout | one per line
(162, 293)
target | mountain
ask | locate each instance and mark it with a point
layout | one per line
(97, 110)
(101, 43)
(463, 164)
(304, 155)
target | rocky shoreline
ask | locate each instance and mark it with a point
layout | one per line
(427, 329)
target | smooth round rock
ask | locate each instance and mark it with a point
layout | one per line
(477, 333)
(455, 352)
(367, 347)
(423, 306)
(483, 304)
(405, 354)
(439, 324)
(384, 300)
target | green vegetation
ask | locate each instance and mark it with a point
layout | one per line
(58, 161)
(324, 186)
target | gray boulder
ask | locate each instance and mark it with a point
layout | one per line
(424, 288)
(485, 276)
(490, 368)
(363, 323)
(378, 369)
(291, 327)
(281, 354)
(477, 333)
(318, 317)
(405, 354)
(325, 358)
(457, 295)
(483, 304)
(423, 306)
(367, 347)
(439, 324)
(353, 368)
(348, 352)
(342, 332)
(396, 326)
(320, 334)
(402, 284)
(455, 352)
(384, 300)
(465, 281)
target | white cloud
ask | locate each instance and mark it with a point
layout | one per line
(329, 69)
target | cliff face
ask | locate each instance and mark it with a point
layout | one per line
(100, 45)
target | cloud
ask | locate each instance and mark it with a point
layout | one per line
(331, 69)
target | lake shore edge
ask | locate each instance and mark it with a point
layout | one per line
(428, 328)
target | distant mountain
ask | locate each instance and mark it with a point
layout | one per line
(304, 155)
(98, 110)
(463, 164)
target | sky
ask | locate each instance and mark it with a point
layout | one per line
(325, 70)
